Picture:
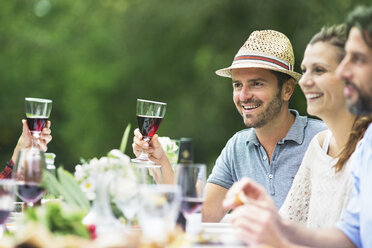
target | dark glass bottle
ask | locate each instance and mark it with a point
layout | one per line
(186, 152)
(185, 156)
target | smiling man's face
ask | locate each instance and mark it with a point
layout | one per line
(256, 95)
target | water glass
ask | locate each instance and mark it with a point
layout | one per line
(159, 206)
(7, 196)
(149, 174)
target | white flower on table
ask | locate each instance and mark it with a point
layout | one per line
(171, 148)
(85, 173)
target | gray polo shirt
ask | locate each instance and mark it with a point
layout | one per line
(243, 156)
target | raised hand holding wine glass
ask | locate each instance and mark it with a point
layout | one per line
(149, 117)
(37, 115)
(192, 180)
(7, 193)
(28, 174)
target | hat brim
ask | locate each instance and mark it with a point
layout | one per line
(226, 72)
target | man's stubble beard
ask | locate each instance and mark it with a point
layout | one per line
(273, 109)
(363, 105)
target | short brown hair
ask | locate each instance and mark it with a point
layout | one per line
(361, 18)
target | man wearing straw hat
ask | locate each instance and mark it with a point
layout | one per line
(270, 151)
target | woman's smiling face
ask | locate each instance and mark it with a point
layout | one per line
(322, 89)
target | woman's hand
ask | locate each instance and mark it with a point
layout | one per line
(25, 140)
(153, 148)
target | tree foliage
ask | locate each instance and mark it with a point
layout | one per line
(95, 58)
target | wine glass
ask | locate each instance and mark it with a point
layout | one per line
(192, 179)
(149, 116)
(37, 115)
(27, 174)
(158, 209)
(7, 196)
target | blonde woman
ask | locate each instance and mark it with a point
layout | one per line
(321, 188)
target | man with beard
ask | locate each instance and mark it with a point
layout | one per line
(270, 151)
(258, 220)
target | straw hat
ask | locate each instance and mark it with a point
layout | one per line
(266, 49)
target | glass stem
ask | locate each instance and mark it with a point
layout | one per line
(144, 155)
(34, 141)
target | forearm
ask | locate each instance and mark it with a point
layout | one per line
(167, 170)
(306, 237)
(213, 210)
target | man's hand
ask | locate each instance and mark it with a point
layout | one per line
(255, 216)
(243, 191)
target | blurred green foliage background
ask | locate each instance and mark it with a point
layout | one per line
(94, 58)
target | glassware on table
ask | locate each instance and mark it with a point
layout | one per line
(158, 210)
(15, 215)
(125, 190)
(27, 173)
(192, 179)
(49, 161)
(100, 214)
(149, 116)
(149, 174)
(37, 115)
(7, 196)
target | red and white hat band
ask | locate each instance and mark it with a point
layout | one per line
(263, 59)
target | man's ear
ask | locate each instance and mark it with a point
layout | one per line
(288, 89)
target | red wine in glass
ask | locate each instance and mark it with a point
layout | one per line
(37, 113)
(36, 124)
(29, 192)
(190, 205)
(4, 214)
(149, 116)
(148, 125)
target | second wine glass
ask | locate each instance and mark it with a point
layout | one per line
(191, 178)
(149, 117)
(37, 115)
(28, 172)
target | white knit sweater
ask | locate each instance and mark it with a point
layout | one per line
(318, 195)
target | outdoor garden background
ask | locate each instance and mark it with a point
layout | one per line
(94, 58)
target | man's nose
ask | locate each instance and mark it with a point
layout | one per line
(245, 94)
(343, 70)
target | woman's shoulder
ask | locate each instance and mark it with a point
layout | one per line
(321, 136)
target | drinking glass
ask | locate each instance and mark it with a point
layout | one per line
(27, 174)
(7, 193)
(37, 115)
(150, 174)
(158, 209)
(149, 116)
(191, 178)
(125, 189)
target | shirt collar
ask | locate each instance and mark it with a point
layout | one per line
(295, 133)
